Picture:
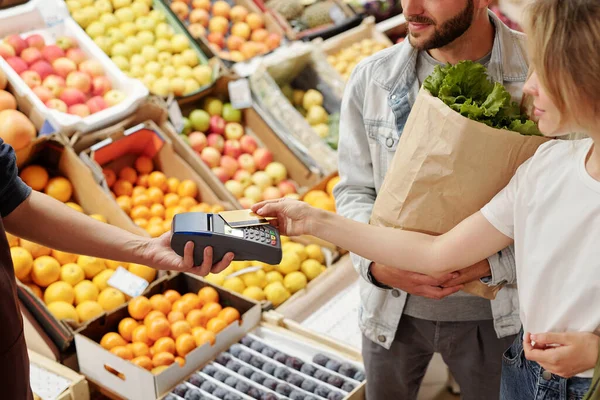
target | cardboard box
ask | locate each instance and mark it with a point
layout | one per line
(256, 126)
(78, 388)
(134, 382)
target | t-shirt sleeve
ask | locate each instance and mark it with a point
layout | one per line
(13, 191)
(500, 211)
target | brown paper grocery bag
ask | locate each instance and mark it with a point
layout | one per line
(446, 168)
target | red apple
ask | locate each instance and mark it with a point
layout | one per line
(17, 64)
(72, 96)
(197, 140)
(57, 104)
(55, 84)
(229, 164)
(232, 148)
(277, 171)
(234, 131)
(31, 78)
(79, 80)
(101, 85)
(76, 55)
(6, 51)
(96, 104)
(81, 110)
(211, 157)
(244, 177)
(43, 93)
(216, 141)
(36, 41)
(221, 173)
(271, 193)
(17, 43)
(64, 66)
(66, 43)
(246, 203)
(217, 125)
(43, 68)
(31, 55)
(247, 163)
(262, 158)
(52, 53)
(248, 144)
(287, 187)
(199, 16)
(92, 67)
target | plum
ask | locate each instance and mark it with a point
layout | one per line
(269, 368)
(284, 389)
(280, 357)
(268, 396)
(234, 366)
(196, 380)
(257, 346)
(335, 381)
(348, 387)
(335, 396)
(221, 376)
(193, 394)
(242, 386)
(268, 352)
(245, 356)
(223, 358)
(231, 381)
(235, 350)
(258, 378)
(270, 383)
(210, 370)
(282, 373)
(232, 396)
(320, 359)
(294, 363)
(246, 372)
(181, 389)
(348, 370)
(333, 365)
(309, 385)
(208, 387)
(322, 391)
(359, 376)
(308, 369)
(170, 397)
(257, 362)
(254, 393)
(322, 375)
(247, 341)
(220, 393)
(295, 379)
(296, 395)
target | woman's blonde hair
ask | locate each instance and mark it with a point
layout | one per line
(564, 41)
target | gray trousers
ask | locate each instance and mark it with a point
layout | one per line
(471, 350)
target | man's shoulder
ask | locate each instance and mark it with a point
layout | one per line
(384, 61)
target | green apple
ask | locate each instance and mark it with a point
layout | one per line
(103, 6)
(213, 106)
(191, 86)
(150, 53)
(144, 24)
(128, 29)
(73, 5)
(125, 14)
(178, 61)
(121, 62)
(96, 29)
(148, 80)
(164, 58)
(85, 3)
(146, 37)
(177, 86)
(114, 97)
(185, 72)
(115, 35)
(190, 57)
(163, 45)
(200, 120)
(92, 13)
(104, 43)
(81, 18)
(157, 16)
(230, 114)
(121, 3)
(179, 43)
(161, 86)
(134, 44)
(109, 20)
(140, 8)
(187, 125)
(164, 31)
(169, 71)
(136, 71)
(185, 139)
(121, 49)
(137, 59)
(153, 68)
(203, 74)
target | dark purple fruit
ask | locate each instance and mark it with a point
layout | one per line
(295, 379)
(181, 389)
(335, 381)
(257, 362)
(246, 371)
(235, 350)
(322, 375)
(322, 391)
(258, 378)
(282, 373)
(284, 389)
(359, 376)
(268, 396)
(309, 385)
(280, 357)
(296, 395)
(254, 393)
(269, 368)
(170, 397)
(348, 387)
(193, 394)
(335, 396)
(348, 370)
(333, 365)
(242, 387)
(294, 363)
(257, 346)
(245, 356)
(234, 366)
(270, 383)
(223, 358)
(221, 376)
(308, 370)
(247, 341)
(208, 387)
(196, 380)
(320, 359)
(220, 393)
(268, 352)
(231, 381)
(232, 396)
(210, 370)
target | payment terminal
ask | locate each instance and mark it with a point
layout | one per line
(248, 243)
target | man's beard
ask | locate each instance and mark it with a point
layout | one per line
(448, 32)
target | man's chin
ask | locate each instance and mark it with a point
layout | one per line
(417, 40)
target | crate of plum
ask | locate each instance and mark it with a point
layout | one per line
(236, 30)
(271, 363)
(59, 75)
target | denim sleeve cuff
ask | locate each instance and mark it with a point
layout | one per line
(503, 268)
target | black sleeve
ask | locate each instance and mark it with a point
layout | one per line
(13, 191)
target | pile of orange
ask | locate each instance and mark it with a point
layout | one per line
(165, 328)
(151, 198)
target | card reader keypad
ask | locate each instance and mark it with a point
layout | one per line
(261, 234)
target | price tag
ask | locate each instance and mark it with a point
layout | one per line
(128, 283)
(240, 95)
(46, 384)
(175, 114)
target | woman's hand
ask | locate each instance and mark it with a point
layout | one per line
(564, 354)
(294, 218)
(158, 254)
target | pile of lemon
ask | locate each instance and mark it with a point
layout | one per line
(276, 283)
(323, 199)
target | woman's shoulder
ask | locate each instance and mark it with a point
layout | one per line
(557, 152)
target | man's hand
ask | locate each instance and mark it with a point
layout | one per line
(564, 354)
(471, 274)
(160, 255)
(413, 283)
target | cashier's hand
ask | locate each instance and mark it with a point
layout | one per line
(158, 254)
(564, 354)
(293, 216)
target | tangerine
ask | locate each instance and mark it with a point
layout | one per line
(139, 307)
(142, 180)
(184, 344)
(175, 316)
(144, 165)
(46, 270)
(141, 200)
(183, 306)
(216, 325)
(172, 295)
(196, 318)
(208, 294)
(193, 299)
(155, 221)
(155, 195)
(126, 327)
(125, 203)
(187, 188)
(60, 188)
(138, 190)
(35, 289)
(179, 328)
(161, 303)
(123, 352)
(143, 362)
(140, 212)
(171, 200)
(128, 174)
(170, 212)
(140, 349)
(204, 336)
(163, 359)
(157, 179)
(157, 210)
(212, 310)
(159, 328)
(172, 185)
(141, 222)
(155, 230)
(229, 315)
(164, 344)
(187, 202)
(122, 188)
(154, 314)
(112, 339)
(180, 361)
(140, 334)
(35, 177)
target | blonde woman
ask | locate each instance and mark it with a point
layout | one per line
(550, 211)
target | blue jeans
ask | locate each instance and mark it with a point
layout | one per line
(527, 380)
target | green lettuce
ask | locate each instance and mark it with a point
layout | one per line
(466, 88)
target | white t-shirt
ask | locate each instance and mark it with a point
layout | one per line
(551, 208)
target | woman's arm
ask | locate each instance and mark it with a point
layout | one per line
(471, 241)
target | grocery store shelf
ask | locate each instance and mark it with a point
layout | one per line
(391, 23)
(513, 9)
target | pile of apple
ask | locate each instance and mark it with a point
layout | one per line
(248, 171)
(142, 44)
(60, 74)
(235, 33)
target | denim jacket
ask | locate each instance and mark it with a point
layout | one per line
(376, 104)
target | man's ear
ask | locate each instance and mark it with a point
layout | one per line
(486, 3)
